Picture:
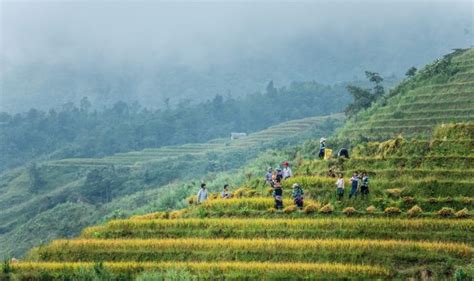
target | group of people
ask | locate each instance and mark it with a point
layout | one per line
(276, 176)
(274, 179)
(203, 194)
(359, 183)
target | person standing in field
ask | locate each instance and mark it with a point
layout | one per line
(202, 194)
(287, 173)
(225, 193)
(364, 189)
(322, 148)
(278, 195)
(354, 185)
(279, 174)
(340, 187)
(298, 195)
(269, 176)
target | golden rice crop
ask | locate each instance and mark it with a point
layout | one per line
(257, 245)
(256, 203)
(422, 224)
(257, 267)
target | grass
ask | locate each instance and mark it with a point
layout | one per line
(209, 270)
(276, 250)
(303, 228)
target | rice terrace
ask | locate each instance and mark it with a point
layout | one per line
(366, 179)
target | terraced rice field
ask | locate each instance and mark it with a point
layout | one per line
(416, 111)
(417, 221)
(282, 132)
(244, 237)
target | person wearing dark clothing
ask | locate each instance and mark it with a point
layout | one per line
(322, 147)
(278, 195)
(364, 189)
(298, 195)
(225, 193)
(354, 185)
(279, 174)
(343, 152)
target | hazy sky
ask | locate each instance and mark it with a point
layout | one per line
(196, 32)
(200, 35)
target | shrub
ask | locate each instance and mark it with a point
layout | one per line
(394, 192)
(432, 200)
(371, 209)
(446, 212)
(349, 211)
(6, 267)
(327, 209)
(290, 209)
(414, 211)
(311, 208)
(464, 213)
(392, 211)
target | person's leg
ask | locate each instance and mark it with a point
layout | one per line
(353, 192)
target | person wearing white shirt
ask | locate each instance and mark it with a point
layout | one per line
(287, 173)
(202, 194)
(340, 187)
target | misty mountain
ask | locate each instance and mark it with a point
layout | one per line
(159, 52)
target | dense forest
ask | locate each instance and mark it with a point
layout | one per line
(78, 131)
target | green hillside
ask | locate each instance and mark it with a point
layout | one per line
(440, 93)
(276, 135)
(416, 225)
(417, 221)
(59, 198)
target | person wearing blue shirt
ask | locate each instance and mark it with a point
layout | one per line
(354, 184)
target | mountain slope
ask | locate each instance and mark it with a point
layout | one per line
(58, 192)
(416, 222)
(442, 92)
(419, 231)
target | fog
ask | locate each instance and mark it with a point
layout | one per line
(55, 52)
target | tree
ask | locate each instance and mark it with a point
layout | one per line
(375, 78)
(363, 98)
(85, 104)
(411, 72)
(271, 90)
